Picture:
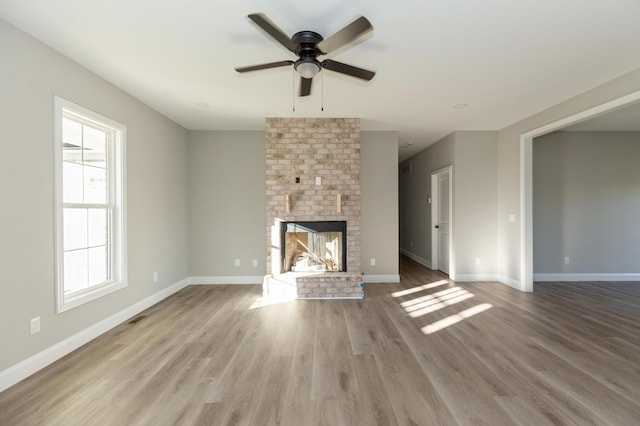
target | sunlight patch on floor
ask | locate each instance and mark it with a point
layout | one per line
(419, 288)
(433, 296)
(456, 318)
(443, 303)
(262, 302)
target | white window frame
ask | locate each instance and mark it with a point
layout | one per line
(117, 196)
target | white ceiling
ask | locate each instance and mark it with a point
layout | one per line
(506, 60)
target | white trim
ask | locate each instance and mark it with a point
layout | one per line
(372, 279)
(218, 280)
(586, 277)
(526, 177)
(31, 365)
(476, 277)
(434, 213)
(116, 203)
(526, 214)
(87, 295)
(416, 258)
(509, 281)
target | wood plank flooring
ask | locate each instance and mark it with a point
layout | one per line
(425, 351)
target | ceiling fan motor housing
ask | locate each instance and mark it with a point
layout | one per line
(307, 52)
(307, 40)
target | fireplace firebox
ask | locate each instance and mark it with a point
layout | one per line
(314, 246)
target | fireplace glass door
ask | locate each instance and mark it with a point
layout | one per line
(314, 246)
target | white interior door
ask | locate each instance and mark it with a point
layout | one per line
(443, 225)
(441, 219)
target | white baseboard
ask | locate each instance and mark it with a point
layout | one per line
(585, 277)
(420, 260)
(31, 365)
(217, 280)
(370, 279)
(509, 281)
(476, 277)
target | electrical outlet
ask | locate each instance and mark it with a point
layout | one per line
(34, 326)
(512, 218)
(478, 261)
(567, 260)
(255, 262)
(155, 277)
(372, 261)
(237, 262)
(318, 180)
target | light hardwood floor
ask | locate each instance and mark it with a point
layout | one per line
(422, 352)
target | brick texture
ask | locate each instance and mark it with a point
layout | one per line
(307, 148)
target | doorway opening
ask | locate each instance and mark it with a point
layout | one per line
(526, 178)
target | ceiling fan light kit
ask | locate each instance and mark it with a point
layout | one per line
(307, 68)
(308, 45)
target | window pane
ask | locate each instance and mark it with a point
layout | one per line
(97, 227)
(75, 271)
(72, 153)
(71, 133)
(71, 183)
(95, 185)
(94, 147)
(75, 229)
(97, 265)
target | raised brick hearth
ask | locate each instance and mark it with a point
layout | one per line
(298, 151)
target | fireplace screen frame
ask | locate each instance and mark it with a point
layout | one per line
(315, 226)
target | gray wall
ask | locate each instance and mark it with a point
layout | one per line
(475, 205)
(379, 202)
(415, 189)
(586, 193)
(227, 203)
(509, 239)
(30, 74)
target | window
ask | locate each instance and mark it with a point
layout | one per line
(90, 211)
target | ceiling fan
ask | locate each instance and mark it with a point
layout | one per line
(308, 45)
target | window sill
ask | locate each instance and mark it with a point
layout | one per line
(73, 300)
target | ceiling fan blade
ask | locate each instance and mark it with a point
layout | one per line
(264, 66)
(347, 69)
(346, 35)
(272, 29)
(305, 86)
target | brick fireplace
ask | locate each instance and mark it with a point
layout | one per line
(313, 176)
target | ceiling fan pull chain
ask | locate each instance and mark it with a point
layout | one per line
(293, 89)
(322, 94)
